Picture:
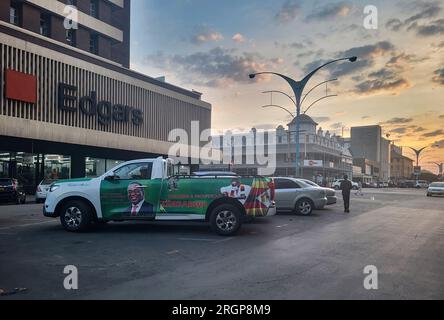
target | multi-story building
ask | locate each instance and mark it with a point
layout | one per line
(401, 166)
(367, 143)
(323, 157)
(69, 105)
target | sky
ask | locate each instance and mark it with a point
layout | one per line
(211, 46)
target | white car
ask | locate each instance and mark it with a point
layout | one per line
(421, 184)
(42, 190)
(337, 184)
(435, 189)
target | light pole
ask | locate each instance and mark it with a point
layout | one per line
(418, 153)
(298, 90)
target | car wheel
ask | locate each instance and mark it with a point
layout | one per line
(225, 220)
(355, 188)
(336, 187)
(304, 207)
(76, 216)
(23, 201)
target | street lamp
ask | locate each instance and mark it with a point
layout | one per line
(418, 153)
(298, 89)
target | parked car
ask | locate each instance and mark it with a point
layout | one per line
(421, 184)
(331, 193)
(435, 189)
(337, 184)
(297, 196)
(43, 189)
(12, 191)
(148, 190)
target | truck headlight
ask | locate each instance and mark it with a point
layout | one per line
(53, 188)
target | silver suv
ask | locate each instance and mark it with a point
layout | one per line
(298, 196)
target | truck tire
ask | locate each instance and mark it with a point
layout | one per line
(225, 220)
(304, 207)
(76, 216)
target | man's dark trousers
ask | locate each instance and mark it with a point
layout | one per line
(346, 197)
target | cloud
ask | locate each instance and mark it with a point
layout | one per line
(394, 24)
(206, 36)
(337, 125)
(428, 10)
(288, 12)
(433, 28)
(438, 144)
(217, 67)
(238, 38)
(441, 117)
(397, 120)
(401, 130)
(331, 10)
(382, 85)
(366, 56)
(435, 133)
(419, 129)
(439, 78)
(321, 119)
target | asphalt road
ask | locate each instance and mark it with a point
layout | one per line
(323, 256)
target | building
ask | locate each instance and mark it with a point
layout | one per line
(323, 157)
(367, 143)
(401, 166)
(69, 105)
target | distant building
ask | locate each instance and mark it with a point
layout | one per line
(401, 166)
(367, 143)
(323, 156)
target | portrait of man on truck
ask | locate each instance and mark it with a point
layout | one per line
(139, 206)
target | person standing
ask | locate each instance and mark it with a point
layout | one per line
(346, 187)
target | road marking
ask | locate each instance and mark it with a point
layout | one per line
(172, 252)
(25, 225)
(196, 239)
(284, 225)
(224, 240)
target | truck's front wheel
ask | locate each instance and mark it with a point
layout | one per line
(225, 220)
(76, 216)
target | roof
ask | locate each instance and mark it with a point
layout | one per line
(303, 119)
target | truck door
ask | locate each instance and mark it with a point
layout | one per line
(130, 193)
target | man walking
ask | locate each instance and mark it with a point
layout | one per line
(346, 187)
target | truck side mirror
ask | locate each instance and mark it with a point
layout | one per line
(110, 177)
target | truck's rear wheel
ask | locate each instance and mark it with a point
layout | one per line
(225, 220)
(76, 216)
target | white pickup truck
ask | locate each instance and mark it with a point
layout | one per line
(147, 189)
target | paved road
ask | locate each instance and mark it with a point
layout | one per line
(400, 231)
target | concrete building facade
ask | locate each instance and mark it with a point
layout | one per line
(68, 112)
(323, 157)
(367, 143)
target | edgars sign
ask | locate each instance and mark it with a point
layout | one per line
(88, 105)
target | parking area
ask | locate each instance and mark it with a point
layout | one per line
(400, 231)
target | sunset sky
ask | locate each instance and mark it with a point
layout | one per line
(212, 46)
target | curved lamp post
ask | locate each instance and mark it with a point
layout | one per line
(298, 90)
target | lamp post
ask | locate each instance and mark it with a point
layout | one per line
(298, 90)
(418, 153)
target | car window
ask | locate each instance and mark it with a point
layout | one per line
(5, 182)
(286, 184)
(135, 171)
(47, 182)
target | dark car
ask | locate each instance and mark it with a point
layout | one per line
(12, 191)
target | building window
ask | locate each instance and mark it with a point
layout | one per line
(94, 43)
(14, 13)
(94, 8)
(71, 37)
(45, 25)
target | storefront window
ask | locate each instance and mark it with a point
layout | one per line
(96, 167)
(57, 167)
(4, 164)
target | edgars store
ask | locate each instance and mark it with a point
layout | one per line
(65, 113)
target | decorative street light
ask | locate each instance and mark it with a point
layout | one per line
(418, 153)
(298, 90)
